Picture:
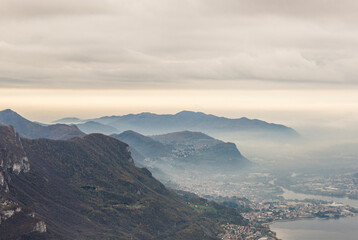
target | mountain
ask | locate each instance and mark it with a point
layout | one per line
(149, 124)
(88, 188)
(15, 217)
(30, 129)
(95, 127)
(184, 150)
(147, 149)
(202, 150)
(186, 138)
(69, 120)
(146, 146)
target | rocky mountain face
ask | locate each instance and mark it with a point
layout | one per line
(16, 219)
(30, 129)
(89, 188)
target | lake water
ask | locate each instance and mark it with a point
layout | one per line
(318, 229)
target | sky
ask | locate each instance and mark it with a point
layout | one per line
(273, 59)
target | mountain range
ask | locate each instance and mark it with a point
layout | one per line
(31, 129)
(150, 124)
(89, 188)
(179, 150)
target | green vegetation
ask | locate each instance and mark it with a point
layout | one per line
(203, 208)
(89, 188)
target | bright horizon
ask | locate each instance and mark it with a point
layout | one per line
(291, 107)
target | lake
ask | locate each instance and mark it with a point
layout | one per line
(318, 229)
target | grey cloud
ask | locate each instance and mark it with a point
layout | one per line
(166, 44)
(18, 9)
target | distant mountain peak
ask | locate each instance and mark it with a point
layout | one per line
(190, 113)
(8, 112)
(96, 127)
(29, 129)
(146, 114)
(131, 132)
(151, 124)
(68, 120)
(184, 135)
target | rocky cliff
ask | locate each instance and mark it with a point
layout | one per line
(16, 220)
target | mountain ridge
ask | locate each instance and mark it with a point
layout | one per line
(89, 188)
(95, 127)
(151, 123)
(29, 129)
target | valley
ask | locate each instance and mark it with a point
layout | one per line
(209, 187)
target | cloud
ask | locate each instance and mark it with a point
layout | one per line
(178, 44)
(20, 10)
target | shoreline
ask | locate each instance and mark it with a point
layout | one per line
(309, 218)
(318, 195)
(281, 231)
(343, 200)
(269, 224)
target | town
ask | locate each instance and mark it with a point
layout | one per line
(336, 185)
(258, 197)
(236, 232)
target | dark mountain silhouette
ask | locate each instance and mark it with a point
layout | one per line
(30, 129)
(89, 188)
(149, 123)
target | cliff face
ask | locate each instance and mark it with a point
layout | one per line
(13, 157)
(16, 220)
(88, 188)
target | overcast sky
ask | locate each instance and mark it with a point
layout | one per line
(178, 44)
(215, 49)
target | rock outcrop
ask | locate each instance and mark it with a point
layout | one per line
(15, 219)
(13, 159)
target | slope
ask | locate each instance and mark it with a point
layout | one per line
(30, 129)
(89, 188)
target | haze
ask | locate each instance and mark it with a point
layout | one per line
(289, 62)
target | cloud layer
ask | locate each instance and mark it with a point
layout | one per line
(227, 44)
